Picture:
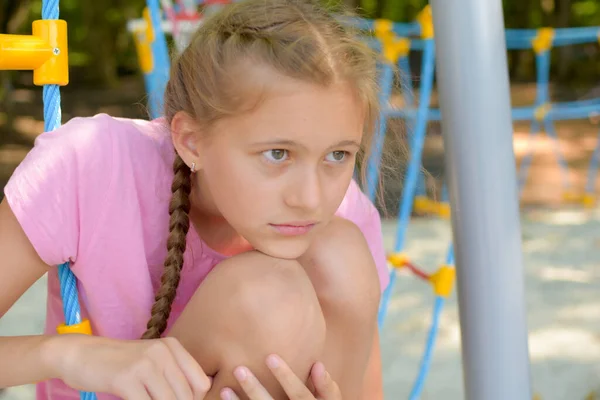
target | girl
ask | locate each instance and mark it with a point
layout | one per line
(229, 235)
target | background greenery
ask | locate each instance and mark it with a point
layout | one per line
(101, 50)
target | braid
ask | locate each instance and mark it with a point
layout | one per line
(178, 227)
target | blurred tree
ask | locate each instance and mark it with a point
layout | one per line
(101, 49)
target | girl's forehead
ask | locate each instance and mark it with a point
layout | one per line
(308, 114)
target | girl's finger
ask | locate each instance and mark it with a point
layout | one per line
(251, 385)
(326, 388)
(228, 394)
(159, 388)
(291, 384)
(179, 383)
(134, 391)
(194, 374)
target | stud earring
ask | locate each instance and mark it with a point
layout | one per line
(193, 168)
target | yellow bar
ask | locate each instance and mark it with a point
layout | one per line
(144, 52)
(45, 52)
(23, 52)
(149, 28)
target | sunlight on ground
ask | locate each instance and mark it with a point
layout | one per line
(566, 275)
(561, 341)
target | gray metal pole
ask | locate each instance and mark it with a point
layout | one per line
(475, 103)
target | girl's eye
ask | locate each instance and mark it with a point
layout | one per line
(276, 155)
(336, 156)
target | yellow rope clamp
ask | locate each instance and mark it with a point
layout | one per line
(425, 19)
(443, 210)
(82, 328)
(398, 260)
(541, 111)
(589, 200)
(423, 204)
(45, 52)
(393, 47)
(543, 41)
(443, 280)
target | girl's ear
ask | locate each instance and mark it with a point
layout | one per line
(185, 133)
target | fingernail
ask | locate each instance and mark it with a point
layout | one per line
(272, 361)
(240, 374)
(226, 394)
(320, 369)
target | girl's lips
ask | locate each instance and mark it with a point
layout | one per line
(294, 228)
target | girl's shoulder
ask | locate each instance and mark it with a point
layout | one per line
(87, 170)
(103, 133)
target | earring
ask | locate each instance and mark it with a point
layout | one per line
(193, 168)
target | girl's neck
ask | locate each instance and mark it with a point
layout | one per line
(216, 232)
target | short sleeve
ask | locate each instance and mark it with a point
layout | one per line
(57, 190)
(357, 207)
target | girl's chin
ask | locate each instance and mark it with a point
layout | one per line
(287, 248)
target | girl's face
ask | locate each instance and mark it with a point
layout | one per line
(278, 174)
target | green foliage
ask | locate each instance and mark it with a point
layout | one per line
(101, 49)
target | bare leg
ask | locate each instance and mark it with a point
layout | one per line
(248, 307)
(322, 307)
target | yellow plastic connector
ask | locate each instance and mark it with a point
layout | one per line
(398, 260)
(443, 280)
(143, 44)
(383, 28)
(45, 52)
(393, 47)
(425, 19)
(589, 200)
(542, 111)
(82, 328)
(423, 204)
(543, 41)
(443, 210)
(149, 29)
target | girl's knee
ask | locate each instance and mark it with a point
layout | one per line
(248, 307)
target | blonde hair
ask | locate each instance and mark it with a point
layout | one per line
(298, 39)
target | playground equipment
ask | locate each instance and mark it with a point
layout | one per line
(45, 52)
(474, 98)
(496, 362)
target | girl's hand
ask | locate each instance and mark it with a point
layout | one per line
(159, 369)
(325, 387)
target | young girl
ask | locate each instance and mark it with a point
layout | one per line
(229, 235)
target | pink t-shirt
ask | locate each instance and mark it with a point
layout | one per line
(96, 192)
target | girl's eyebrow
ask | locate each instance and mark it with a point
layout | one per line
(291, 143)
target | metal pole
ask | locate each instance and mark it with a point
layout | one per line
(475, 103)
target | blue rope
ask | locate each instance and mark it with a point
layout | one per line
(162, 64)
(428, 354)
(52, 121)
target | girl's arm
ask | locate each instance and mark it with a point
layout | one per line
(22, 359)
(127, 369)
(373, 387)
